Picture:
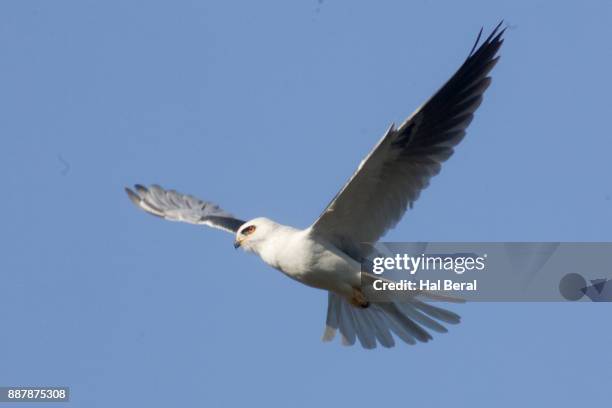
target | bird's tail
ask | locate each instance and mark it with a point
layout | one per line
(409, 321)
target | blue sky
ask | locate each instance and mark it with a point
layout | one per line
(266, 108)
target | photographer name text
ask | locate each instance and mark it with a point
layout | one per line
(426, 284)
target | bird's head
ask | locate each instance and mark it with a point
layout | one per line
(252, 233)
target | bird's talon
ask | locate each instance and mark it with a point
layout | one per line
(359, 299)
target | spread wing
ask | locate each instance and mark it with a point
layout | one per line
(174, 206)
(392, 176)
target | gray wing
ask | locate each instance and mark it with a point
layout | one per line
(392, 176)
(174, 206)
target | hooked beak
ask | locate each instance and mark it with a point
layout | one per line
(237, 244)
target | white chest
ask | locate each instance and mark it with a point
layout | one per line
(311, 262)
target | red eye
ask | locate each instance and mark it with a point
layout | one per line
(248, 230)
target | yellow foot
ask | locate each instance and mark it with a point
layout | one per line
(358, 299)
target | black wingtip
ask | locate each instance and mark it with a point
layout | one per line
(140, 188)
(135, 198)
(495, 36)
(497, 33)
(499, 25)
(476, 42)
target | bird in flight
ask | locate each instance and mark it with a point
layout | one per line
(328, 255)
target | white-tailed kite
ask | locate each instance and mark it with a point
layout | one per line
(327, 255)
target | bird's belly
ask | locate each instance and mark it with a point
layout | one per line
(324, 270)
(335, 280)
(311, 261)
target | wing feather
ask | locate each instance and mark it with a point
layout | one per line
(174, 206)
(400, 166)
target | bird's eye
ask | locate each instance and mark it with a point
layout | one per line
(248, 230)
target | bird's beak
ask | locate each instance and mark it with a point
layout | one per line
(237, 244)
